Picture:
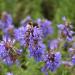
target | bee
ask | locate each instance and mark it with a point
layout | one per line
(11, 50)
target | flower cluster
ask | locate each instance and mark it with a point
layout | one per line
(65, 31)
(52, 61)
(46, 27)
(30, 36)
(8, 53)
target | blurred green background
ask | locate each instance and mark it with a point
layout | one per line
(49, 9)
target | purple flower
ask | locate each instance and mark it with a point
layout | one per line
(46, 27)
(61, 26)
(37, 50)
(9, 73)
(25, 21)
(8, 53)
(36, 46)
(20, 35)
(19, 52)
(73, 59)
(37, 33)
(6, 24)
(52, 61)
(25, 34)
(3, 52)
(53, 44)
(9, 31)
(39, 21)
(65, 32)
(69, 39)
(6, 20)
(70, 50)
(7, 60)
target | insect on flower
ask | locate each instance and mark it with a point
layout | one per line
(8, 53)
